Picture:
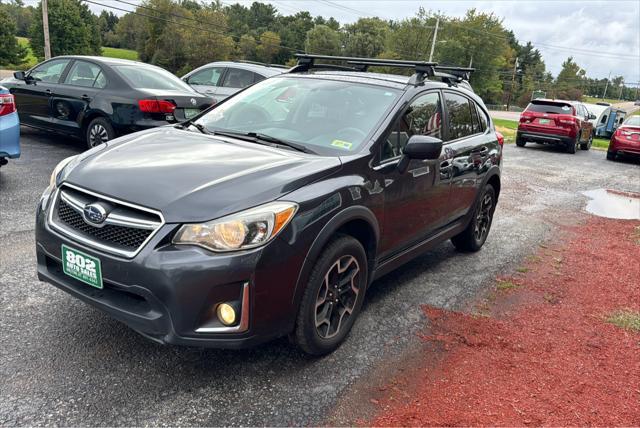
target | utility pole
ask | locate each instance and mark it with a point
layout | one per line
(513, 82)
(621, 88)
(433, 41)
(606, 86)
(45, 28)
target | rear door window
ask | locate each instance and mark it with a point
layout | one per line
(460, 119)
(84, 74)
(238, 78)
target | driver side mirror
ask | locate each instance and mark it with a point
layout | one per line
(420, 147)
(591, 116)
(20, 75)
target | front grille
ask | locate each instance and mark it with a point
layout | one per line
(126, 237)
(124, 231)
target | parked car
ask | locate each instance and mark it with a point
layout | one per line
(559, 122)
(273, 212)
(224, 78)
(98, 98)
(9, 127)
(637, 103)
(626, 139)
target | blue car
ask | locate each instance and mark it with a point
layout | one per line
(9, 127)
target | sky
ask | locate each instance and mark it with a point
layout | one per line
(602, 36)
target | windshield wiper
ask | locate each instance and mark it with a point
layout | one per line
(200, 127)
(264, 139)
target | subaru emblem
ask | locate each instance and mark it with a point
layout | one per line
(94, 213)
(193, 101)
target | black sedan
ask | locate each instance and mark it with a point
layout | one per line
(98, 99)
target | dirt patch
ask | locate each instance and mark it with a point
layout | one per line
(542, 349)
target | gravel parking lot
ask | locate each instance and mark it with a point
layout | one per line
(65, 363)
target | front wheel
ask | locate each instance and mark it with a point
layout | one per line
(474, 236)
(333, 296)
(99, 131)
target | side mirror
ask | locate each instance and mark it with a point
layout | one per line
(20, 75)
(420, 147)
(592, 116)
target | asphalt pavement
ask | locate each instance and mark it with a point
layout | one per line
(65, 363)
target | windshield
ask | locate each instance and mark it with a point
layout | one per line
(326, 116)
(145, 77)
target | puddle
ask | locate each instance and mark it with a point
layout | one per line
(613, 204)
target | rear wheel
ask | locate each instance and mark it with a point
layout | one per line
(474, 236)
(99, 131)
(520, 142)
(587, 145)
(611, 155)
(333, 296)
(572, 147)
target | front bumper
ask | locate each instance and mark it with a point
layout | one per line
(168, 293)
(539, 137)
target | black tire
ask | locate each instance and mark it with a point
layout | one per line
(587, 145)
(571, 147)
(611, 155)
(99, 131)
(520, 142)
(318, 330)
(475, 235)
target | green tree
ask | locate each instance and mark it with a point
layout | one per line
(247, 47)
(323, 40)
(366, 37)
(130, 32)
(22, 15)
(268, 47)
(411, 38)
(569, 81)
(10, 52)
(72, 30)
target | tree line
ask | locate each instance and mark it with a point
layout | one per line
(180, 35)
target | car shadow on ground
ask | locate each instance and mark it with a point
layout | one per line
(46, 138)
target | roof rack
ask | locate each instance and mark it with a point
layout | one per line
(423, 69)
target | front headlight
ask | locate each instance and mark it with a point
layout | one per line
(247, 229)
(53, 181)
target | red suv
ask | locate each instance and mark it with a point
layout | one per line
(626, 139)
(556, 122)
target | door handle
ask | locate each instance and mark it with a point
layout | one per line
(48, 92)
(86, 97)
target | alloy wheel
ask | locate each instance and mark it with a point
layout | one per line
(98, 135)
(337, 296)
(483, 218)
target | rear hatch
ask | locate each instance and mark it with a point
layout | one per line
(549, 117)
(629, 134)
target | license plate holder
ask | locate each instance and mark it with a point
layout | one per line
(544, 121)
(82, 267)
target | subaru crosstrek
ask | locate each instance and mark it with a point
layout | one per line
(271, 213)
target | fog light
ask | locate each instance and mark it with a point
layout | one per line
(226, 314)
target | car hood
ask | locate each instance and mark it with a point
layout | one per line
(192, 177)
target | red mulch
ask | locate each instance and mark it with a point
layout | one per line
(544, 354)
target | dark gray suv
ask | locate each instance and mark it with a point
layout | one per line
(271, 213)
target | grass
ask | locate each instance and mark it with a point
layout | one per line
(626, 319)
(506, 285)
(507, 128)
(600, 143)
(120, 53)
(594, 100)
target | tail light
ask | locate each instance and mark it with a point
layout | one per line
(156, 106)
(500, 138)
(568, 121)
(7, 104)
